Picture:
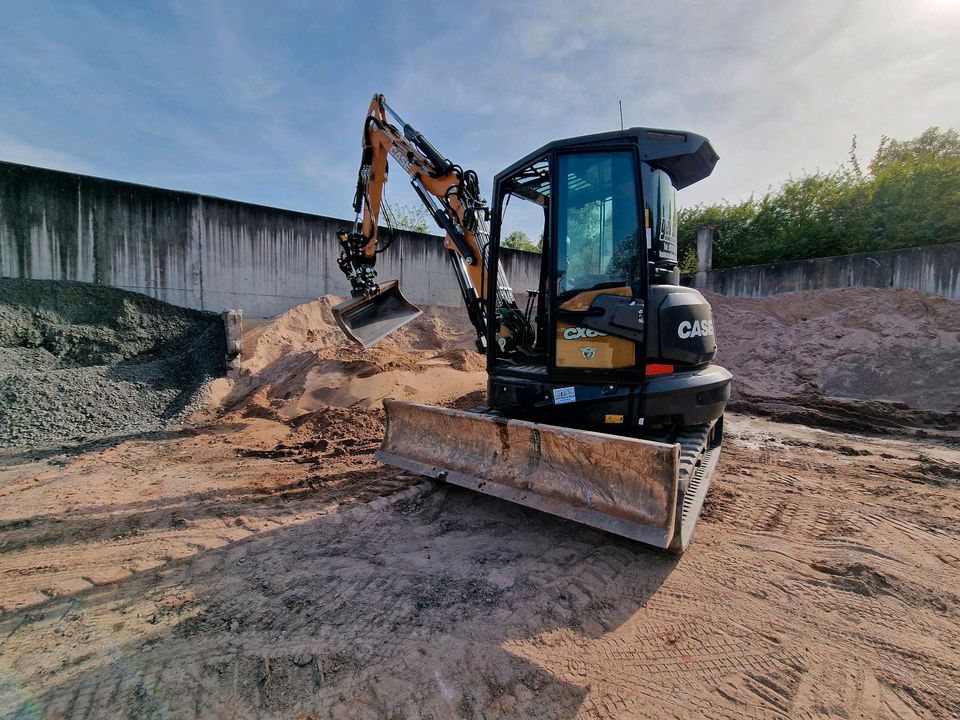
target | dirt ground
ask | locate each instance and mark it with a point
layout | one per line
(260, 564)
(183, 576)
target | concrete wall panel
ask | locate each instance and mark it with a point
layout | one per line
(932, 269)
(197, 251)
(39, 214)
(209, 253)
(140, 239)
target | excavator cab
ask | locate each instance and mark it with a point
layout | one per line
(612, 334)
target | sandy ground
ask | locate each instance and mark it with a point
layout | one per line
(260, 564)
(182, 576)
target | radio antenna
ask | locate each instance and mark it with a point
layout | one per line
(620, 102)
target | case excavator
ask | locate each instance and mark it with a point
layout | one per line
(603, 405)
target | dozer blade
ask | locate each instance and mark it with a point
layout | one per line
(622, 485)
(365, 320)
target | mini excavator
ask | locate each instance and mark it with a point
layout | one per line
(603, 404)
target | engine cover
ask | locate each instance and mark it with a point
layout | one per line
(684, 332)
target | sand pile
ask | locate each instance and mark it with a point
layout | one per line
(889, 355)
(853, 358)
(300, 364)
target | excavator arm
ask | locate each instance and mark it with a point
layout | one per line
(451, 196)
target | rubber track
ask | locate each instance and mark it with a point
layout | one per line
(696, 457)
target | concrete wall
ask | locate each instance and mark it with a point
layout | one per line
(933, 269)
(201, 252)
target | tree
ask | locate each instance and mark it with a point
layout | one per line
(518, 240)
(688, 262)
(730, 224)
(909, 196)
(915, 198)
(931, 146)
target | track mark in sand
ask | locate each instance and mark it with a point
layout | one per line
(776, 687)
(840, 543)
(914, 697)
(857, 578)
(830, 523)
(653, 652)
(780, 516)
(950, 560)
(720, 503)
(916, 530)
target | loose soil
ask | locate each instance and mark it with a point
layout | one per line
(300, 363)
(258, 563)
(192, 575)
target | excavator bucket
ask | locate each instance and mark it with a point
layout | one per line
(366, 320)
(622, 485)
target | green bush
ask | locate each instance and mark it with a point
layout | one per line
(909, 196)
(518, 240)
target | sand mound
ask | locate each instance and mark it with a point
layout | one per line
(300, 364)
(854, 358)
(891, 346)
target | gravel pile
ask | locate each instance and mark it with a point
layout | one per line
(81, 362)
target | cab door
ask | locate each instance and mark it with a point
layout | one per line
(600, 249)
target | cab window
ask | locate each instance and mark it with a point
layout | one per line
(599, 240)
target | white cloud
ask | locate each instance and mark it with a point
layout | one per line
(779, 88)
(266, 103)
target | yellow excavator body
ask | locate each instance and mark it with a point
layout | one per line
(603, 404)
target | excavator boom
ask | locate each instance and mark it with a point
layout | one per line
(451, 196)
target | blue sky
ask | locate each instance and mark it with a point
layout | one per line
(264, 101)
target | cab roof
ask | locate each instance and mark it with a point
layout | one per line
(686, 157)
